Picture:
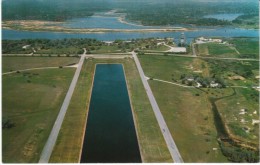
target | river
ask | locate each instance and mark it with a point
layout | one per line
(114, 21)
(228, 17)
(111, 36)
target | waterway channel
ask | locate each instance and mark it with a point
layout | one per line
(111, 36)
(110, 135)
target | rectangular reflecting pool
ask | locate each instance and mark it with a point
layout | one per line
(110, 135)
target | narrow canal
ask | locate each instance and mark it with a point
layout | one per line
(110, 135)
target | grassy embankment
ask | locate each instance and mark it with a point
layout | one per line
(152, 145)
(176, 103)
(31, 101)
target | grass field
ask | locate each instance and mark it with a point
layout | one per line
(19, 63)
(152, 145)
(31, 101)
(173, 68)
(159, 48)
(66, 50)
(68, 145)
(215, 49)
(228, 69)
(188, 112)
(106, 49)
(247, 47)
(180, 105)
(239, 124)
(202, 49)
(190, 121)
(189, 117)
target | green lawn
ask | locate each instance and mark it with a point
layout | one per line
(19, 63)
(240, 47)
(215, 49)
(106, 49)
(68, 145)
(159, 48)
(178, 104)
(225, 69)
(230, 109)
(190, 120)
(248, 48)
(189, 117)
(152, 145)
(31, 101)
(202, 49)
(66, 50)
(221, 50)
(171, 67)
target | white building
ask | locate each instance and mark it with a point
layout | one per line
(206, 40)
(26, 46)
(178, 50)
(213, 84)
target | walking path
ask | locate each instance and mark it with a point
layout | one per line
(185, 86)
(47, 150)
(193, 50)
(238, 87)
(72, 66)
(29, 70)
(165, 131)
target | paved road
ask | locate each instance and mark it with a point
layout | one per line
(47, 150)
(165, 131)
(108, 56)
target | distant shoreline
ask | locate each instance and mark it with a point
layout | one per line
(122, 20)
(43, 26)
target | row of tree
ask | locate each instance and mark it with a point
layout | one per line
(17, 46)
(58, 10)
(239, 155)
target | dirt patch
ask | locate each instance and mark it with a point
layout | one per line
(236, 78)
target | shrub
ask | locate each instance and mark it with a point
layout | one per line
(7, 123)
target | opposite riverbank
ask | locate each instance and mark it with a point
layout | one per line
(51, 26)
